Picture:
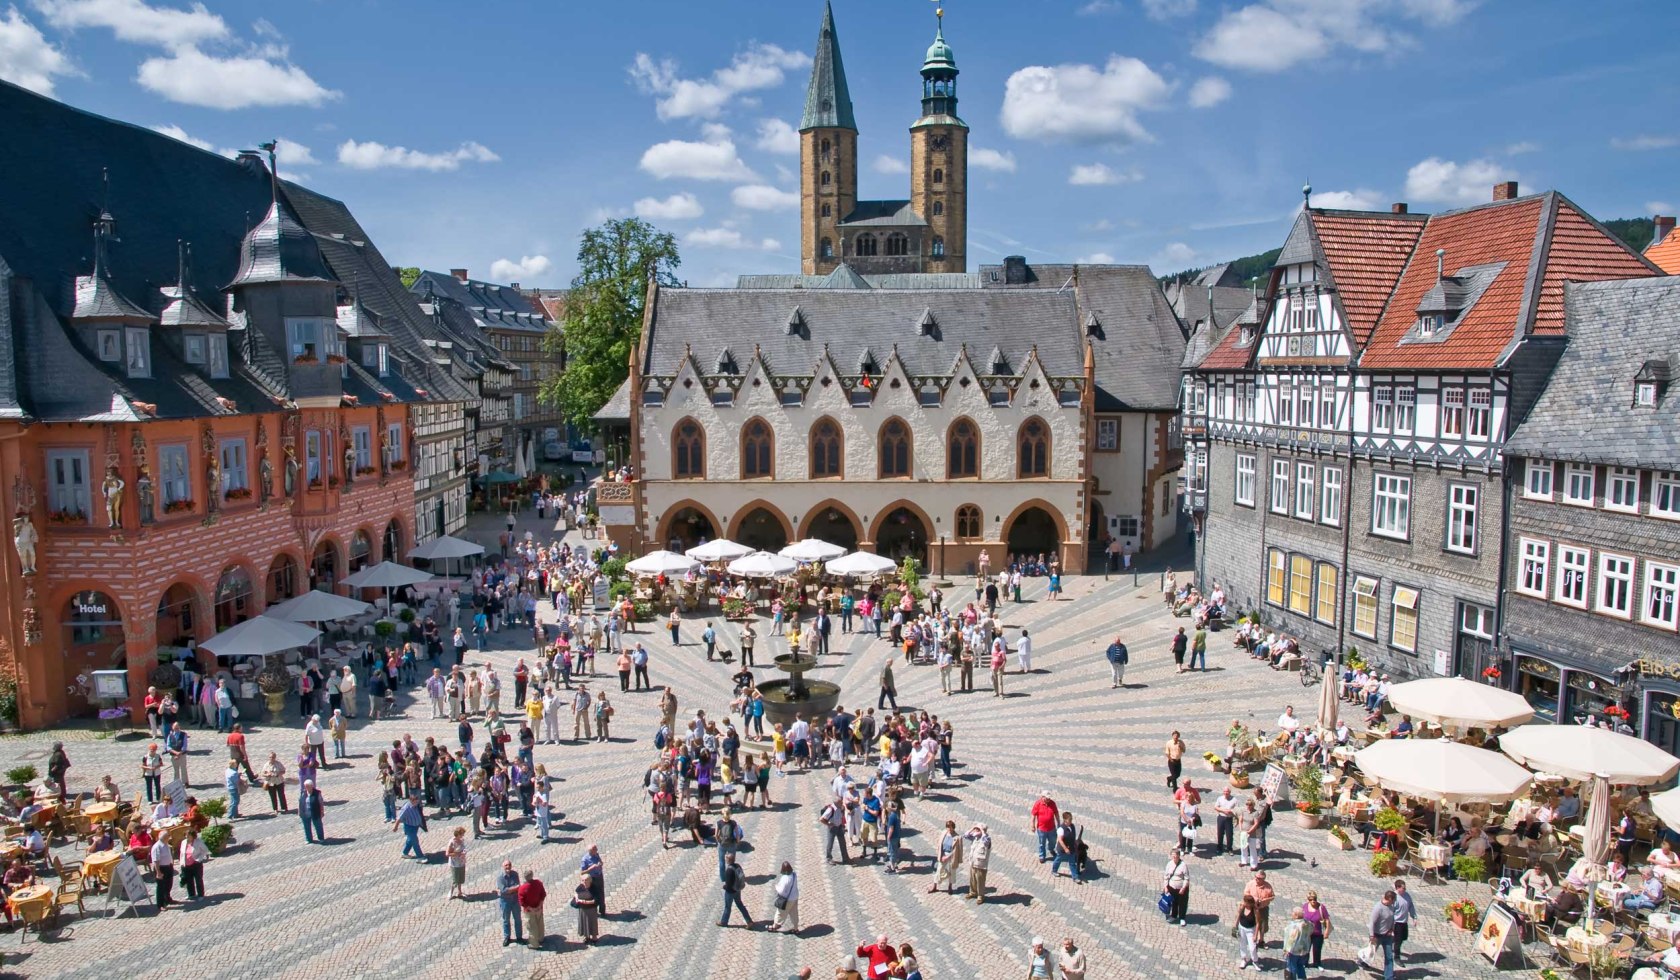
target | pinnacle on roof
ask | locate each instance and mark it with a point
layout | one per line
(96, 298)
(184, 308)
(845, 277)
(828, 102)
(278, 249)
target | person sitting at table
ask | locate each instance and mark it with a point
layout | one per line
(1565, 908)
(1568, 809)
(34, 843)
(140, 845)
(106, 791)
(1648, 895)
(105, 839)
(1664, 856)
(192, 817)
(1615, 872)
(1477, 843)
(27, 814)
(1454, 835)
(165, 810)
(1374, 718)
(1404, 729)
(19, 875)
(1535, 882)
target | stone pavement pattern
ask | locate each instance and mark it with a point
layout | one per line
(277, 907)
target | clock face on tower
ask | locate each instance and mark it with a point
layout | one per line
(941, 143)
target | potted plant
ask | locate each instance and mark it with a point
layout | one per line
(1390, 821)
(1239, 778)
(1213, 761)
(217, 837)
(274, 682)
(1384, 863)
(20, 776)
(178, 507)
(385, 628)
(613, 569)
(407, 615)
(1469, 869)
(67, 517)
(1308, 783)
(734, 608)
(1340, 840)
(1464, 914)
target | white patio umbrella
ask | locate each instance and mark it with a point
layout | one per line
(811, 549)
(259, 637)
(762, 564)
(387, 575)
(720, 549)
(1443, 770)
(1457, 704)
(1666, 806)
(447, 548)
(860, 564)
(519, 468)
(662, 563)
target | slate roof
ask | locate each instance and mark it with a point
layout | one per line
(828, 102)
(898, 213)
(1586, 414)
(1666, 253)
(279, 249)
(617, 408)
(1190, 302)
(886, 280)
(493, 306)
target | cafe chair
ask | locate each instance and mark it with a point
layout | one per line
(68, 894)
(36, 914)
(66, 875)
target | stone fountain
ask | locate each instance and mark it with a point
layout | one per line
(796, 695)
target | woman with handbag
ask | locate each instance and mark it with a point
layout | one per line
(1175, 889)
(786, 901)
(588, 910)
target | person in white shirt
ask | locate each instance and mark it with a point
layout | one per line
(1023, 652)
(1287, 721)
(840, 784)
(921, 768)
(163, 870)
(1224, 808)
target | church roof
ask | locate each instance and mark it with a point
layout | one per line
(883, 213)
(828, 103)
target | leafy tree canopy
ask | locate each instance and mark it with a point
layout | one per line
(408, 274)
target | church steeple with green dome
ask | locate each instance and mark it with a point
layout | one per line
(939, 77)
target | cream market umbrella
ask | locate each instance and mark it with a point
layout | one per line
(1457, 704)
(719, 549)
(446, 548)
(259, 637)
(316, 607)
(662, 563)
(1329, 704)
(1666, 806)
(387, 575)
(860, 564)
(1443, 770)
(811, 549)
(1595, 829)
(762, 564)
(1581, 753)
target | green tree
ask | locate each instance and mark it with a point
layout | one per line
(604, 312)
(408, 274)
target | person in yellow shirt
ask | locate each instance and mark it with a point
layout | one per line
(778, 742)
(793, 637)
(534, 710)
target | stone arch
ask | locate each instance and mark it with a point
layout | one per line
(276, 588)
(818, 524)
(230, 607)
(759, 534)
(918, 541)
(326, 562)
(363, 535)
(668, 530)
(1022, 509)
(181, 610)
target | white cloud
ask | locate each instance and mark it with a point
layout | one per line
(1357, 200)
(1525, 146)
(176, 132)
(677, 207)
(888, 164)
(287, 153)
(988, 159)
(1096, 7)
(1168, 9)
(189, 76)
(1658, 207)
(1099, 174)
(727, 237)
(1081, 102)
(1209, 92)
(1176, 255)
(1101, 224)
(1274, 35)
(528, 267)
(26, 59)
(714, 159)
(1447, 182)
(135, 22)
(763, 197)
(373, 155)
(1096, 258)
(776, 136)
(761, 66)
(1645, 141)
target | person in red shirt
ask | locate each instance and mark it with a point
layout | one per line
(531, 897)
(881, 956)
(1187, 794)
(1044, 825)
(237, 752)
(152, 704)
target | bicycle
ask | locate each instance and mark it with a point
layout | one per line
(1311, 673)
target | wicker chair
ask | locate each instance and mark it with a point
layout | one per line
(68, 894)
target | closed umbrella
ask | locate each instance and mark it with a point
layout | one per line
(662, 563)
(720, 549)
(1328, 701)
(860, 564)
(811, 549)
(1457, 704)
(1444, 770)
(259, 637)
(762, 564)
(1595, 832)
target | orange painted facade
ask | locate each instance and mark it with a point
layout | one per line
(103, 596)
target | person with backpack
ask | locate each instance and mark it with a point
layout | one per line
(1264, 805)
(833, 818)
(1067, 848)
(734, 883)
(1118, 657)
(708, 636)
(411, 820)
(729, 837)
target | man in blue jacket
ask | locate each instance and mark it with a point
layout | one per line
(1117, 659)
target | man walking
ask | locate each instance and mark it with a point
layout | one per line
(1198, 649)
(224, 707)
(531, 895)
(708, 636)
(889, 689)
(639, 661)
(1000, 660)
(507, 890)
(734, 883)
(822, 628)
(176, 744)
(833, 818)
(412, 819)
(1404, 913)
(1382, 932)
(1023, 652)
(1067, 848)
(311, 806)
(748, 637)
(434, 691)
(1117, 660)
(1044, 818)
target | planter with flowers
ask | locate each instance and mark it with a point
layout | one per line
(67, 517)
(335, 358)
(1384, 863)
(365, 471)
(1617, 712)
(1308, 783)
(1464, 914)
(1493, 674)
(306, 359)
(178, 507)
(1340, 840)
(397, 465)
(1213, 761)
(238, 493)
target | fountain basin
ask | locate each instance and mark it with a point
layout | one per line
(815, 700)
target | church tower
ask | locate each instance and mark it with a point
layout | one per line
(939, 162)
(827, 155)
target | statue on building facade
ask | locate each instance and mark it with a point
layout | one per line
(112, 488)
(24, 537)
(143, 487)
(291, 472)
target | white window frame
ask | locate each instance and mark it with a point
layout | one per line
(1479, 418)
(1306, 496)
(1665, 495)
(306, 335)
(110, 345)
(1404, 597)
(1108, 435)
(174, 482)
(235, 464)
(361, 440)
(1382, 408)
(1405, 409)
(193, 348)
(1538, 475)
(1327, 404)
(1621, 489)
(217, 346)
(394, 433)
(1578, 477)
(1330, 496)
(1452, 412)
(1574, 576)
(1285, 402)
(1279, 500)
(1660, 604)
(69, 495)
(138, 349)
(1242, 491)
(313, 448)
(1534, 566)
(1306, 404)
(1463, 503)
(1391, 496)
(1364, 600)
(1645, 394)
(1615, 580)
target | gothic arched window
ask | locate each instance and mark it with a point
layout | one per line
(825, 178)
(1034, 445)
(828, 211)
(867, 245)
(895, 450)
(827, 449)
(968, 522)
(758, 451)
(964, 442)
(898, 244)
(688, 450)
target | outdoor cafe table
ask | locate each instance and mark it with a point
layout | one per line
(1613, 894)
(1585, 939)
(1434, 855)
(1532, 908)
(1663, 923)
(100, 812)
(29, 896)
(98, 866)
(9, 850)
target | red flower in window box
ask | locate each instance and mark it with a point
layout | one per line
(1616, 711)
(1492, 673)
(67, 517)
(238, 493)
(178, 507)
(397, 464)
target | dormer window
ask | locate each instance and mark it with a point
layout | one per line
(1645, 394)
(1651, 383)
(139, 341)
(303, 337)
(110, 346)
(1246, 336)
(193, 348)
(1430, 324)
(726, 363)
(217, 345)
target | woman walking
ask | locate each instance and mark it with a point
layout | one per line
(1317, 916)
(786, 901)
(274, 780)
(588, 910)
(1175, 886)
(456, 853)
(193, 856)
(1248, 917)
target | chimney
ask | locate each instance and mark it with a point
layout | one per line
(514, 286)
(1662, 227)
(252, 160)
(1398, 207)
(460, 274)
(1505, 190)
(1015, 270)
(1440, 263)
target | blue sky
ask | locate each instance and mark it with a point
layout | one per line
(1173, 132)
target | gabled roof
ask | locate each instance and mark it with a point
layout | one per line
(1364, 252)
(183, 308)
(617, 408)
(1530, 246)
(1586, 414)
(828, 102)
(492, 306)
(1665, 254)
(97, 299)
(895, 213)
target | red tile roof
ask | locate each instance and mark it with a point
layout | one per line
(1365, 252)
(1226, 355)
(1508, 232)
(1666, 254)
